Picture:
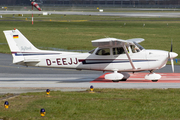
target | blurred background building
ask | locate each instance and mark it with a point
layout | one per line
(96, 3)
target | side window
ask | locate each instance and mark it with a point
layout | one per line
(103, 51)
(134, 49)
(118, 50)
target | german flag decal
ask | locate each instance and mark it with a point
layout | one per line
(15, 36)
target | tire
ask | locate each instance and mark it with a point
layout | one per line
(154, 80)
(123, 80)
(115, 80)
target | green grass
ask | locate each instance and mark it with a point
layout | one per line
(103, 104)
(69, 32)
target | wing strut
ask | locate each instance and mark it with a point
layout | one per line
(130, 60)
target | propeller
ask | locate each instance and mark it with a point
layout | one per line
(171, 56)
(171, 46)
(172, 62)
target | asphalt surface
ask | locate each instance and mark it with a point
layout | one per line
(18, 79)
(171, 14)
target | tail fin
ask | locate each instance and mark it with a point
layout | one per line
(18, 45)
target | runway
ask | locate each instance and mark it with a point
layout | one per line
(167, 14)
(15, 78)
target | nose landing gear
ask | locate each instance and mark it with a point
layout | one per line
(153, 76)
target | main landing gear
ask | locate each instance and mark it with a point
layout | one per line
(153, 76)
(119, 80)
(116, 76)
(125, 77)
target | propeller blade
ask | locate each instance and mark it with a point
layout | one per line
(172, 64)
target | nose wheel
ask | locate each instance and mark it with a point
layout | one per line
(153, 77)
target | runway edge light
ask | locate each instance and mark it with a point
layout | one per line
(42, 112)
(91, 89)
(47, 91)
(6, 104)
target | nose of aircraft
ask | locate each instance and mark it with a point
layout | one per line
(173, 55)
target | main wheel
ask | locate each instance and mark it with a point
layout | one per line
(123, 80)
(154, 80)
(115, 80)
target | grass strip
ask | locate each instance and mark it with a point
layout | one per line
(103, 104)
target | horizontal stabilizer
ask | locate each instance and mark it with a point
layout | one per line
(17, 60)
(31, 60)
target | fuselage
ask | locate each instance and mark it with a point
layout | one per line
(142, 60)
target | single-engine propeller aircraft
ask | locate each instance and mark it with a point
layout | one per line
(116, 55)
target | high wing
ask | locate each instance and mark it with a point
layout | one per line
(111, 42)
(137, 40)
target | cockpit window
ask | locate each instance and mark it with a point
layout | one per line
(134, 49)
(91, 52)
(138, 45)
(103, 51)
(118, 50)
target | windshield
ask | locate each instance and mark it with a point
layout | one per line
(91, 52)
(138, 45)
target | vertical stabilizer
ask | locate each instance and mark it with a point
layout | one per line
(18, 45)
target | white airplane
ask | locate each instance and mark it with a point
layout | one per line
(111, 54)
